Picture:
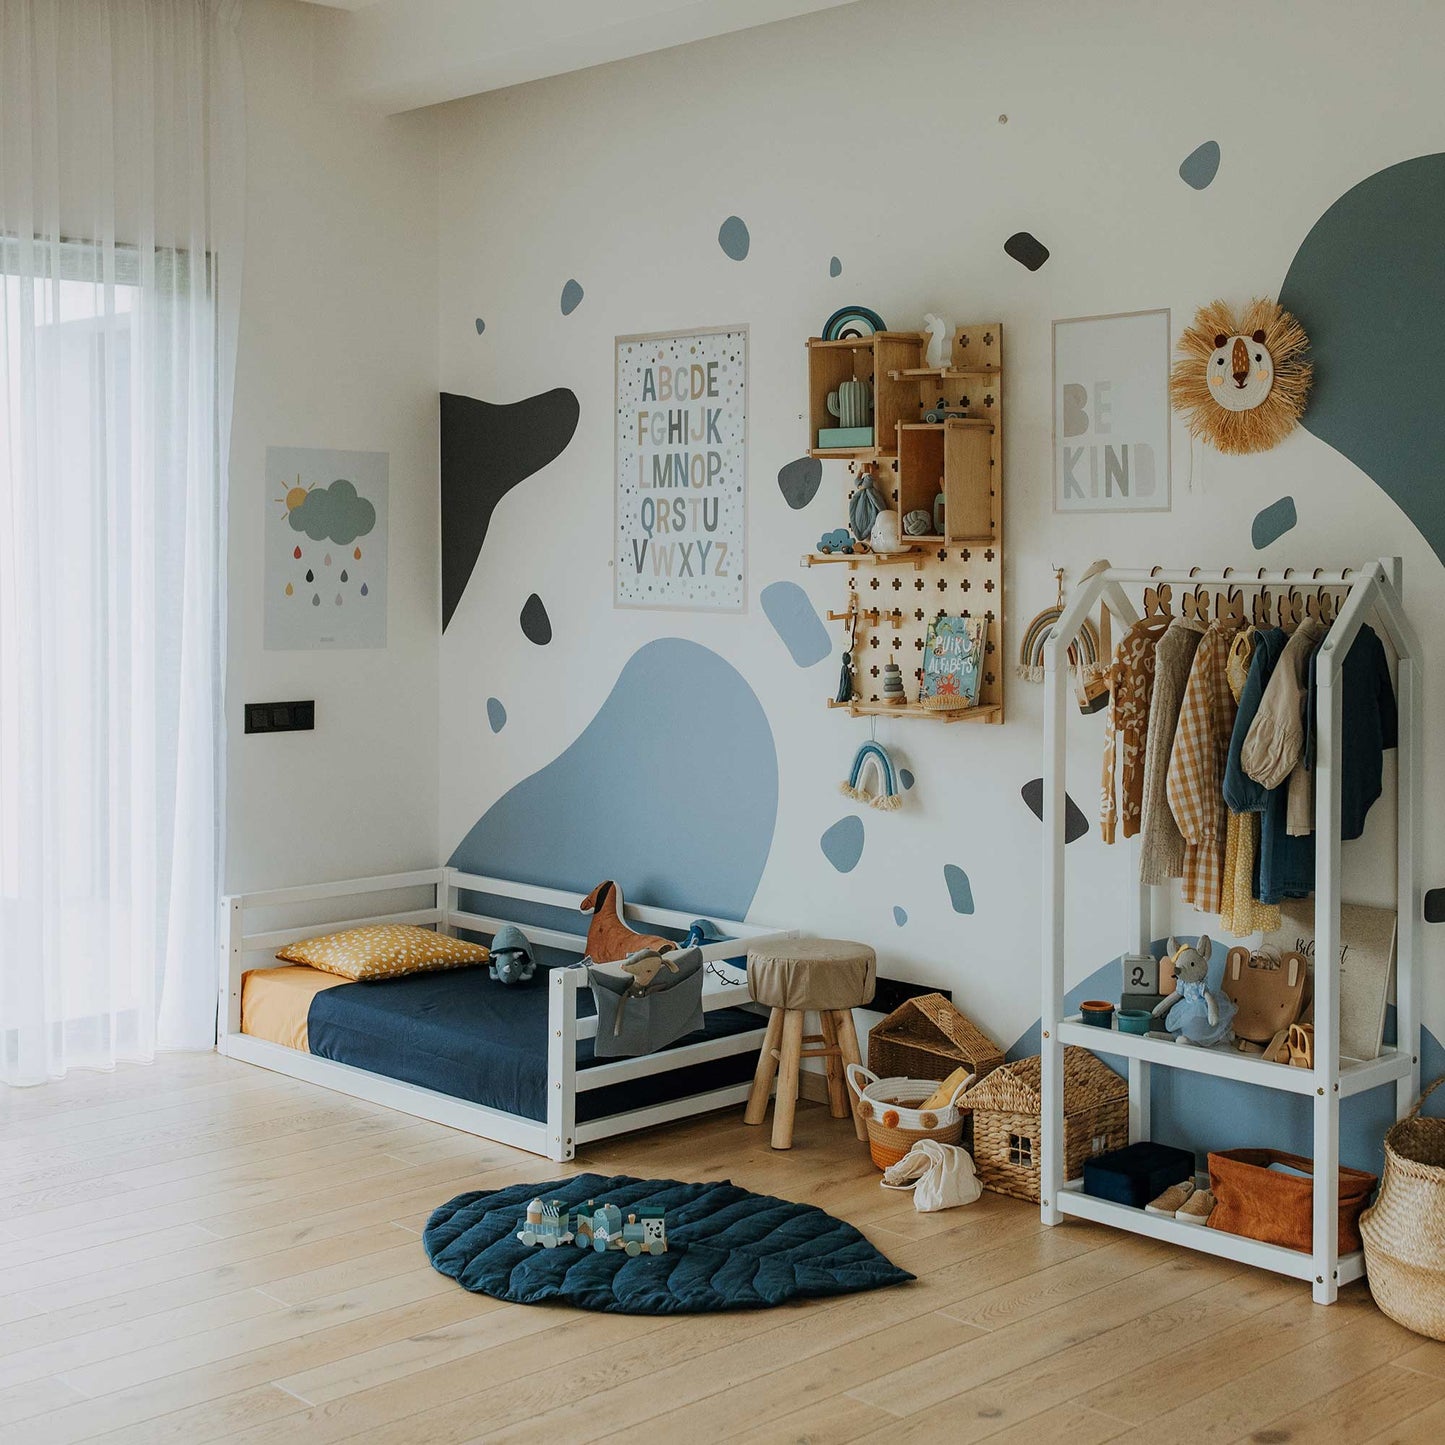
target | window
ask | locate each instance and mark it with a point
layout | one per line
(1020, 1150)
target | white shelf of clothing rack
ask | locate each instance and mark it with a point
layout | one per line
(1373, 592)
(1355, 1076)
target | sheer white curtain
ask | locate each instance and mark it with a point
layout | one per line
(121, 171)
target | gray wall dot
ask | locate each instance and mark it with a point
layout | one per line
(571, 297)
(1200, 166)
(733, 237)
(835, 267)
(842, 844)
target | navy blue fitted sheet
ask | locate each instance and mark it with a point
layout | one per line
(463, 1034)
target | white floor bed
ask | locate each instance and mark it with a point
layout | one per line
(257, 924)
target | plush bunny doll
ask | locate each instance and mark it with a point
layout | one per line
(1195, 1013)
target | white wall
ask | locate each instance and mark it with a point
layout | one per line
(874, 132)
(337, 349)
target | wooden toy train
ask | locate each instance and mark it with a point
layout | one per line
(600, 1227)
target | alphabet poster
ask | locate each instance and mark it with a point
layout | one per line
(1111, 413)
(325, 549)
(680, 534)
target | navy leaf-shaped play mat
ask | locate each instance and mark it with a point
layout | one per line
(727, 1249)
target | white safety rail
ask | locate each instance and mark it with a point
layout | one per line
(1373, 593)
(313, 909)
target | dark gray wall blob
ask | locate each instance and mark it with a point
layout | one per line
(1435, 905)
(1368, 286)
(733, 237)
(571, 297)
(1075, 823)
(1201, 165)
(672, 789)
(835, 267)
(536, 625)
(1272, 522)
(1027, 250)
(799, 481)
(481, 326)
(485, 451)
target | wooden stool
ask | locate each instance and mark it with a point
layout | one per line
(826, 976)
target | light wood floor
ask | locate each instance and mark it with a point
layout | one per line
(204, 1251)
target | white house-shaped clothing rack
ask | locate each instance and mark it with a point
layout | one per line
(1372, 592)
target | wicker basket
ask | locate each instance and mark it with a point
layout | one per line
(1006, 1120)
(928, 1038)
(889, 1107)
(1404, 1231)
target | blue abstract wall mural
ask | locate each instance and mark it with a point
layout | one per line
(496, 714)
(835, 267)
(673, 786)
(481, 326)
(1369, 273)
(796, 621)
(486, 449)
(571, 297)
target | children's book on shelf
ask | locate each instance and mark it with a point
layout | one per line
(952, 663)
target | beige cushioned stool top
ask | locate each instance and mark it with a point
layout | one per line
(812, 973)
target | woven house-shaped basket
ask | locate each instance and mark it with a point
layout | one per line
(928, 1038)
(1007, 1106)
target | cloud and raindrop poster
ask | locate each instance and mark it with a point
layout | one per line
(326, 530)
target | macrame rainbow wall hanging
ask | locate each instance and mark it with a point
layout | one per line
(871, 758)
(1031, 653)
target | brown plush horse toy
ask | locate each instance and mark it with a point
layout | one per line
(609, 939)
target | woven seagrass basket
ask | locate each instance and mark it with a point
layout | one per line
(890, 1109)
(1404, 1231)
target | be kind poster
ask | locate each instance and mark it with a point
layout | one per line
(680, 536)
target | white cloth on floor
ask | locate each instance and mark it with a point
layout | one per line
(940, 1175)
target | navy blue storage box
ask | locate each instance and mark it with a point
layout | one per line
(1138, 1173)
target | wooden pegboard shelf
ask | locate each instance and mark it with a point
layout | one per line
(942, 373)
(957, 574)
(909, 558)
(980, 713)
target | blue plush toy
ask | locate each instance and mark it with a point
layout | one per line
(840, 539)
(512, 960)
(1196, 1014)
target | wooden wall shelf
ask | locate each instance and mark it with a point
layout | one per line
(980, 713)
(957, 574)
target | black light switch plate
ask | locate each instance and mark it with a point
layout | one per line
(888, 993)
(281, 717)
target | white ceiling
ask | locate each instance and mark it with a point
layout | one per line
(402, 54)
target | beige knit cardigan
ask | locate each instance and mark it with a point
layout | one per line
(1161, 851)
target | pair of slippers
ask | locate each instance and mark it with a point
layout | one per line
(1185, 1202)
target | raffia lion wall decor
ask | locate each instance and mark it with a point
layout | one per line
(1240, 381)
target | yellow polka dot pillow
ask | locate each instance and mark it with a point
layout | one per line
(383, 950)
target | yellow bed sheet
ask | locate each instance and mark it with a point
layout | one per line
(276, 1002)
